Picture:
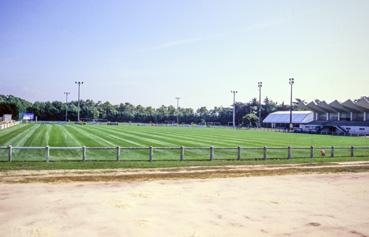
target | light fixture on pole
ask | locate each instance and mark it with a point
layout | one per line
(291, 82)
(234, 108)
(260, 84)
(178, 98)
(66, 105)
(79, 83)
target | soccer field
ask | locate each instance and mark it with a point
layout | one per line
(71, 135)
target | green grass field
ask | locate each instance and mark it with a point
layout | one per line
(57, 135)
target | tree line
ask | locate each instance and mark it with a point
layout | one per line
(246, 113)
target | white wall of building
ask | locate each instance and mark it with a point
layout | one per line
(357, 130)
(7, 117)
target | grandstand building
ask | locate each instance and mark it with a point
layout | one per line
(347, 118)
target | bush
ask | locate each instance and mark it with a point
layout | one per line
(112, 123)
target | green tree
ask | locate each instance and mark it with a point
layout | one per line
(250, 119)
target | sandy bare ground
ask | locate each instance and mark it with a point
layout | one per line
(200, 172)
(289, 205)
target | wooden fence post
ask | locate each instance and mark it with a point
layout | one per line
(118, 153)
(211, 152)
(47, 153)
(311, 152)
(181, 156)
(352, 151)
(332, 151)
(10, 153)
(238, 153)
(265, 153)
(289, 152)
(84, 151)
(150, 153)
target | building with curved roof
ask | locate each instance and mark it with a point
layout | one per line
(283, 117)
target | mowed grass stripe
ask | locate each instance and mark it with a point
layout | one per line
(190, 139)
(69, 139)
(266, 138)
(9, 131)
(84, 137)
(258, 139)
(180, 140)
(131, 135)
(10, 134)
(198, 135)
(96, 135)
(81, 138)
(145, 141)
(123, 140)
(106, 154)
(22, 137)
(60, 137)
(149, 138)
(172, 138)
(57, 137)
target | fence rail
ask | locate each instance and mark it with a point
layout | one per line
(47, 153)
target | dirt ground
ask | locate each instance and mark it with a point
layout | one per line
(335, 204)
(199, 172)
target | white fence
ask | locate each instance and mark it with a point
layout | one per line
(48, 153)
(4, 125)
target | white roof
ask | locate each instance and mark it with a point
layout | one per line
(284, 117)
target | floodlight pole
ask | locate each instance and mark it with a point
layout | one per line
(260, 84)
(234, 108)
(291, 82)
(79, 95)
(178, 98)
(66, 105)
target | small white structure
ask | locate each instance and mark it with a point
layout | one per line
(7, 122)
(7, 117)
(282, 118)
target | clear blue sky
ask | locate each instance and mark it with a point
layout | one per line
(148, 52)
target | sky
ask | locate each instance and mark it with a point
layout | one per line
(149, 52)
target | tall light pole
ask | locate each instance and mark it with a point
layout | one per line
(260, 84)
(66, 105)
(178, 98)
(291, 82)
(234, 108)
(79, 83)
